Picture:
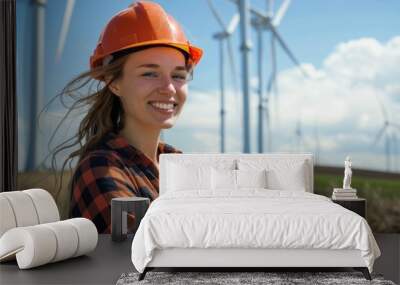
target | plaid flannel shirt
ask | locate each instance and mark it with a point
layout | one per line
(114, 169)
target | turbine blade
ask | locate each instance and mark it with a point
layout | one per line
(317, 142)
(216, 15)
(281, 12)
(233, 23)
(286, 49)
(64, 28)
(233, 66)
(270, 8)
(379, 135)
(268, 122)
(395, 152)
(382, 106)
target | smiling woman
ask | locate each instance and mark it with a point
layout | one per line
(152, 90)
(143, 63)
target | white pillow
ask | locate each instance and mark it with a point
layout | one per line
(223, 179)
(282, 174)
(236, 179)
(251, 178)
(288, 179)
(188, 177)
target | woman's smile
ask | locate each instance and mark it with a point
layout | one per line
(164, 108)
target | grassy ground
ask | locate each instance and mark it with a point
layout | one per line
(383, 195)
(383, 198)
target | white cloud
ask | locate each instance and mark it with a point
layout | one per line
(341, 96)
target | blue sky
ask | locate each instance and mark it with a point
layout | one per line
(337, 41)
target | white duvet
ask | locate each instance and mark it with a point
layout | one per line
(251, 218)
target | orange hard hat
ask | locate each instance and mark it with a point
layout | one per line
(142, 24)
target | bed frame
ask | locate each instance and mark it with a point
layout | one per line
(242, 259)
(246, 258)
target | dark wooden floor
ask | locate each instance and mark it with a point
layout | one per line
(389, 262)
(110, 260)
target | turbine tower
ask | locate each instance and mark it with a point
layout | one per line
(244, 8)
(317, 145)
(223, 36)
(34, 144)
(299, 136)
(395, 152)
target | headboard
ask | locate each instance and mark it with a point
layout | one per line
(211, 159)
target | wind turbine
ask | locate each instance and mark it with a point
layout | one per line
(69, 8)
(395, 152)
(317, 145)
(299, 136)
(269, 22)
(388, 131)
(273, 23)
(223, 36)
(34, 144)
(263, 103)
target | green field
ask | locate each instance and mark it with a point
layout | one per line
(382, 194)
(383, 198)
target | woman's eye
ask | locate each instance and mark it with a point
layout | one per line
(179, 77)
(150, 74)
(156, 75)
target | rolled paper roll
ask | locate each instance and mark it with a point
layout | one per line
(67, 239)
(23, 208)
(45, 205)
(87, 235)
(33, 245)
(7, 218)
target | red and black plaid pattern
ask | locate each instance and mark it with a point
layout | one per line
(114, 169)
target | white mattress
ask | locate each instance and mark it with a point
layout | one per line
(252, 218)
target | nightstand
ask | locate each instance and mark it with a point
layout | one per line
(119, 209)
(358, 205)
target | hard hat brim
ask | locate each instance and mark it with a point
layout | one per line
(195, 53)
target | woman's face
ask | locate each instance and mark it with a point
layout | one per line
(153, 87)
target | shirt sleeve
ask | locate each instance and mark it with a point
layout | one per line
(96, 181)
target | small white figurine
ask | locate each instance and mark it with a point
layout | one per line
(347, 173)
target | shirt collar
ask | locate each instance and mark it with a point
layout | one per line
(128, 151)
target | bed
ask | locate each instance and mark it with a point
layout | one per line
(247, 210)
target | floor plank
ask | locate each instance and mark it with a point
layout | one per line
(388, 263)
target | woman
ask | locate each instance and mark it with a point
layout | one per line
(144, 62)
